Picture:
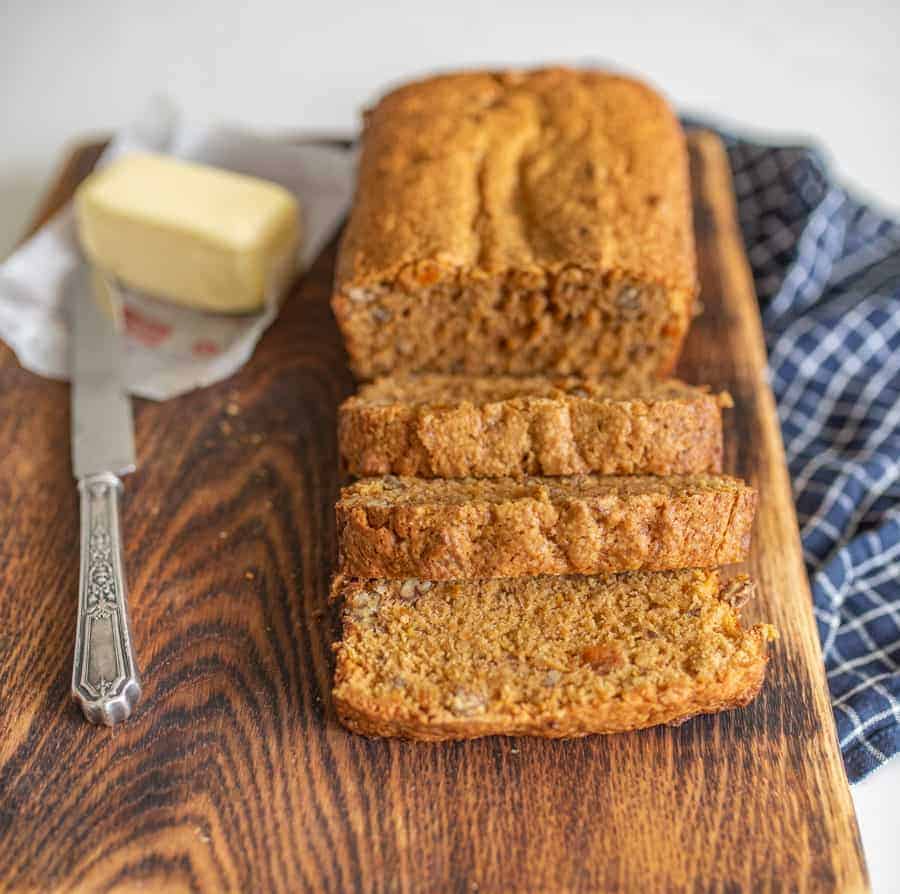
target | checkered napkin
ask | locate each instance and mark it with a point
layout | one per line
(827, 271)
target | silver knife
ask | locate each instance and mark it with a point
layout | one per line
(104, 676)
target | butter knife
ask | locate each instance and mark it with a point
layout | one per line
(104, 675)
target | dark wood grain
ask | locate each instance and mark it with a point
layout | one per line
(234, 775)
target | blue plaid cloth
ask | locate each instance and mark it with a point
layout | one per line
(827, 271)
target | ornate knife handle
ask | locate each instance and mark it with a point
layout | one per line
(104, 677)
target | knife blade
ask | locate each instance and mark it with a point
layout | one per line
(105, 679)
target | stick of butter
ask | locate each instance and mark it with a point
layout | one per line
(188, 233)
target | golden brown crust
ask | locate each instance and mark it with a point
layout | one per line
(481, 528)
(437, 426)
(520, 668)
(519, 222)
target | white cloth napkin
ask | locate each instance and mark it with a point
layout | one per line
(169, 349)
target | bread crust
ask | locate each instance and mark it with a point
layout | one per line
(519, 221)
(549, 427)
(445, 530)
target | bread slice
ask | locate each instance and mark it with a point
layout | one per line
(446, 426)
(543, 656)
(518, 222)
(504, 527)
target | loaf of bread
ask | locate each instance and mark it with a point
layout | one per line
(503, 527)
(543, 656)
(518, 222)
(445, 426)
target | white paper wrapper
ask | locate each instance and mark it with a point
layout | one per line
(169, 349)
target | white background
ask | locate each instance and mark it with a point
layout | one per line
(820, 71)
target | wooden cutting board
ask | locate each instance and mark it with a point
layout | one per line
(235, 775)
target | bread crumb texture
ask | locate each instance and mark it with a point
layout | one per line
(543, 656)
(584, 524)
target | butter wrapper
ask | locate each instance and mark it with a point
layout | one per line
(169, 349)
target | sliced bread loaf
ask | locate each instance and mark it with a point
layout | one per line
(543, 656)
(445, 426)
(503, 527)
